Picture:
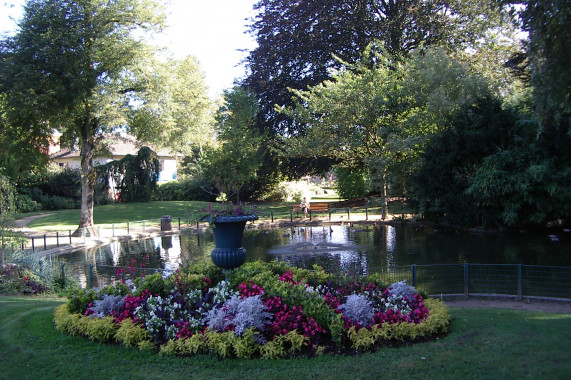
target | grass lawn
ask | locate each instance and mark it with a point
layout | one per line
(483, 344)
(107, 215)
(119, 213)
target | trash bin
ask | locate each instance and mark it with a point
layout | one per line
(166, 223)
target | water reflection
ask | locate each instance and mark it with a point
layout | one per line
(350, 249)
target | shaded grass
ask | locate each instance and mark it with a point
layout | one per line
(483, 343)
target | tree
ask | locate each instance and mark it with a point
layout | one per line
(8, 235)
(135, 176)
(82, 67)
(379, 113)
(547, 23)
(187, 119)
(237, 157)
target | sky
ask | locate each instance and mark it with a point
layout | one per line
(212, 31)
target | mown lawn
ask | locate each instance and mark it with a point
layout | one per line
(482, 344)
(105, 216)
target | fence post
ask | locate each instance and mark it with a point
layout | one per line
(272, 215)
(413, 274)
(519, 282)
(143, 225)
(90, 275)
(366, 213)
(466, 281)
(33, 248)
(328, 209)
(45, 242)
(179, 222)
(348, 214)
(128, 228)
(57, 238)
(291, 215)
(41, 266)
(70, 237)
(113, 229)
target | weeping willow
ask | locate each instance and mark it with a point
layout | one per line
(134, 177)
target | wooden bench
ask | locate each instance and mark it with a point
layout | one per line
(313, 208)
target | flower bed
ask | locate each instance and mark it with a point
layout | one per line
(267, 310)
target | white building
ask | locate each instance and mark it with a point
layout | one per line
(117, 149)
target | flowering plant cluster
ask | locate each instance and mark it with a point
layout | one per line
(228, 210)
(269, 310)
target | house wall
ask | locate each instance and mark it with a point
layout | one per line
(168, 170)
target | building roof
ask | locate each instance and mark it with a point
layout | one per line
(118, 147)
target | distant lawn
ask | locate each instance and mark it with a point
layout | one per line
(130, 212)
(482, 344)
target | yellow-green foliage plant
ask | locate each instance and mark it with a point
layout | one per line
(220, 344)
(101, 329)
(297, 341)
(274, 349)
(196, 344)
(130, 334)
(97, 329)
(245, 345)
(63, 319)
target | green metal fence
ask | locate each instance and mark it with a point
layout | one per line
(514, 280)
(463, 280)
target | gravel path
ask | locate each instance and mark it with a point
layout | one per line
(23, 222)
(535, 305)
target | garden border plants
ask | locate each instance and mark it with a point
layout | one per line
(267, 310)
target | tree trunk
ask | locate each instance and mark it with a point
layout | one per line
(87, 189)
(384, 196)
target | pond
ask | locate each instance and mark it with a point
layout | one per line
(354, 249)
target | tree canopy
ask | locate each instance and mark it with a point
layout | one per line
(82, 67)
(301, 43)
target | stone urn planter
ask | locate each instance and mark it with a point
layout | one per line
(228, 232)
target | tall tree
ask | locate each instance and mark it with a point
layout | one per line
(549, 51)
(297, 41)
(237, 157)
(187, 117)
(82, 67)
(379, 113)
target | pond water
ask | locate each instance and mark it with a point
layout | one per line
(350, 249)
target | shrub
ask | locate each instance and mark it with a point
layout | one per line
(183, 190)
(16, 279)
(25, 204)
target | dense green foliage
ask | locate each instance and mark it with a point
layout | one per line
(326, 35)
(135, 177)
(351, 183)
(53, 189)
(233, 163)
(189, 189)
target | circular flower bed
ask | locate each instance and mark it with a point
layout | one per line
(267, 310)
